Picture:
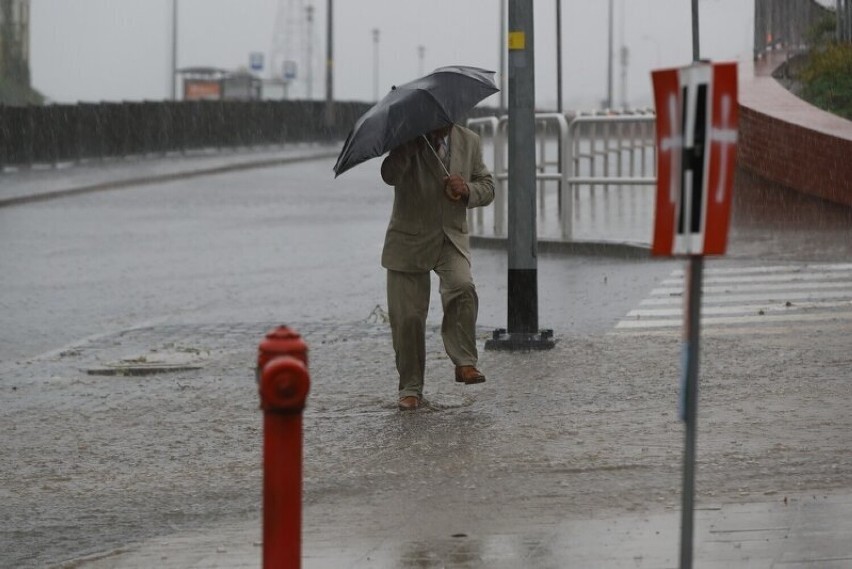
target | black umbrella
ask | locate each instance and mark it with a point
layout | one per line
(420, 106)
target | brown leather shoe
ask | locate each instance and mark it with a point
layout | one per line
(469, 375)
(409, 403)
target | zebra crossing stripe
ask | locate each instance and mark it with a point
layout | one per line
(790, 277)
(770, 269)
(710, 321)
(729, 298)
(740, 309)
(763, 297)
(755, 287)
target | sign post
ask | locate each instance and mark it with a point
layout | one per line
(697, 117)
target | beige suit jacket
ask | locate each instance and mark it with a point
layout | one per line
(422, 212)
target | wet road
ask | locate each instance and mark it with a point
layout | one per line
(292, 243)
(282, 243)
(126, 459)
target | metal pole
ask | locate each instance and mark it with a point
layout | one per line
(690, 406)
(523, 332)
(609, 62)
(375, 64)
(690, 383)
(559, 99)
(523, 281)
(174, 48)
(309, 91)
(624, 56)
(696, 44)
(329, 65)
(421, 51)
(559, 58)
(502, 57)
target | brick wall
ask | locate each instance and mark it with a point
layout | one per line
(786, 140)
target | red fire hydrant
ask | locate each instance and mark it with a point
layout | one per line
(284, 383)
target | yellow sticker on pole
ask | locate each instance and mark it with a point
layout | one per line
(517, 40)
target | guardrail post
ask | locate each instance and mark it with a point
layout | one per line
(284, 383)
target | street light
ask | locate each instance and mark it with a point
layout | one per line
(329, 64)
(174, 48)
(309, 12)
(609, 62)
(375, 64)
(503, 47)
(421, 51)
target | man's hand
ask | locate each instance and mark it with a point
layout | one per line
(456, 188)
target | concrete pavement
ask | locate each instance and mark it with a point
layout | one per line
(803, 532)
(566, 458)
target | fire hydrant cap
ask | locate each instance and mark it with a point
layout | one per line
(282, 333)
(281, 341)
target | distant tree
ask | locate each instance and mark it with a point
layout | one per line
(827, 78)
(824, 74)
(822, 32)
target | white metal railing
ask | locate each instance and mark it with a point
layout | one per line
(614, 147)
(596, 149)
(497, 131)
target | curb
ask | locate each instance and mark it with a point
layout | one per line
(130, 182)
(624, 250)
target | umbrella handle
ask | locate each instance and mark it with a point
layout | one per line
(441, 162)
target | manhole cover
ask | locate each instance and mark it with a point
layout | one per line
(157, 362)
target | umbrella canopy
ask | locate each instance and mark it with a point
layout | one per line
(420, 106)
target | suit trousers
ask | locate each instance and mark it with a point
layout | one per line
(408, 306)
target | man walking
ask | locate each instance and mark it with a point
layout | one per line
(436, 179)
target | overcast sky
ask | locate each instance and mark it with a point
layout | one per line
(95, 50)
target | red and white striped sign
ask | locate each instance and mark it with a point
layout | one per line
(697, 116)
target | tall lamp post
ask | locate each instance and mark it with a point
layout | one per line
(609, 61)
(522, 332)
(329, 65)
(309, 76)
(174, 48)
(375, 64)
(421, 51)
(502, 85)
(560, 165)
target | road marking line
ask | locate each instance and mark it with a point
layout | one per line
(768, 319)
(740, 309)
(768, 299)
(663, 291)
(792, 277)
(771, 269)
(777, 296)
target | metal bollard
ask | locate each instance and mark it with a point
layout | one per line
(284, 383)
